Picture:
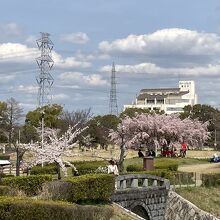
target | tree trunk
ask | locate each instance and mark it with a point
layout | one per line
(58, 170)
(121, 159)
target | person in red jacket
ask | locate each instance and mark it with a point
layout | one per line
(183, 150)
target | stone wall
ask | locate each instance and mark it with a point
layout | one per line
(152, 200)
(179, 208)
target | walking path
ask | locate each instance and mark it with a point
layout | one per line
(201, 168)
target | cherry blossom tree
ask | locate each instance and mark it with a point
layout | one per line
(156, 130)
(55, 148)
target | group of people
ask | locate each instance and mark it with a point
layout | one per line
(150, 153)
(172, 152)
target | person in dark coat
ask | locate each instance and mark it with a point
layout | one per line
(140, 154)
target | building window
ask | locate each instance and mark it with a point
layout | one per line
(174, 101)
(160, 101)
(150, 101)
(184, 100)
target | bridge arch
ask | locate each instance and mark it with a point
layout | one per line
(143, 194)
(140, 208)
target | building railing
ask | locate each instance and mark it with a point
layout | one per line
(132, 181)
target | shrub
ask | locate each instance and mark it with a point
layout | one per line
(135, 168)
(161, 173)
(4, 157)
(183, 178)
(31, 185)
(16, 208)
(4, 190)
(211, 179)
(167, 164)
(87, 167)
(56, 190)
(98, 187)
(46, 169)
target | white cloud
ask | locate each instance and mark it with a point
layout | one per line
(60, 96)
(6, 78)
(31, 39)
(94, 56)
(16, 52)
(75, 38)
(166, 42)
(67, 86)
(10, 29)
(68, 61)
(28, 89)
(150, 68)
(81, 79)
(28, 106)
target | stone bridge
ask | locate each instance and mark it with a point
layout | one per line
(143, 194)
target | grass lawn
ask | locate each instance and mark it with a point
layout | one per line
(180, 161)
(201, 153)
(207, 199)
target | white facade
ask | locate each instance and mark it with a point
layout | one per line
(170, 100)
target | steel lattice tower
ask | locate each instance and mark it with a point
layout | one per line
(113, 107)
(45, 63)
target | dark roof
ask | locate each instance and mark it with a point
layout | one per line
(160, 90)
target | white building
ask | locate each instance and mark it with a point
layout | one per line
(170, 100)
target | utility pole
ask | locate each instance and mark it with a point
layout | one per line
(113, 107)
(45, 64)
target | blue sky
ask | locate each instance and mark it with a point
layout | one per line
(153, 43)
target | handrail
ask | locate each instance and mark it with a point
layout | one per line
(132, 181)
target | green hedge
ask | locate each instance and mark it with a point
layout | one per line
(87, 167)
(135, 168)
(31, 185)
(4, 157)
(15, 208)
(167, 164)
(91, 187)
(4, 190)
(161, 173)
(167, 174)
(176, 178)
(46, 169)
(209, 180)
